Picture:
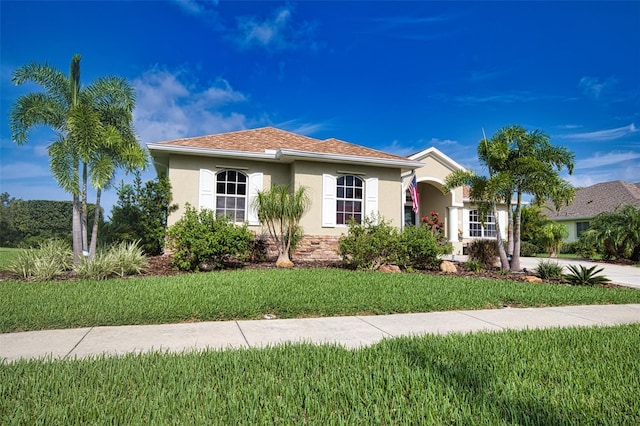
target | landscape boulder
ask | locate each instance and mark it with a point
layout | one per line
(448, 267)
(389, 268)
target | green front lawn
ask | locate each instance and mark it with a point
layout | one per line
(7, 255)
(250, 294)
(546, 377)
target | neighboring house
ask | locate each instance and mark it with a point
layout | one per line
(224, 172)
(591, 201)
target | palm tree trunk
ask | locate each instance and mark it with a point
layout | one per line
(85, 243)
(515, 260)
(504, 261)
(94, 231)
(509, 227)
(76, 225)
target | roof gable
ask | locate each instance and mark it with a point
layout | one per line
(598, 198)
(437, 155)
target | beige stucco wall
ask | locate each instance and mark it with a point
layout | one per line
(433, 170)
(184, 173)
(309, 174)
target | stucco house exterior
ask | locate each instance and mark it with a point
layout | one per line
(591, 201)
(225, 171)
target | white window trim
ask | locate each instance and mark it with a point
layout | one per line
(208, 194)
(329, 199)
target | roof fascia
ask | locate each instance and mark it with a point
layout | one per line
(439, 155)
(206, 152)
(339, 158)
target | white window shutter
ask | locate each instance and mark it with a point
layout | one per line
(255, 186)
(328, 200)
(206, 194)
(371, 202)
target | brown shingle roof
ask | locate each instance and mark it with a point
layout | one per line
(270, 138)
(598, 198)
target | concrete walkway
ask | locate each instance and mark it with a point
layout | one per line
(351, 331)
(628, 276)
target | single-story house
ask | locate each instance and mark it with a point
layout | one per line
(591, 201)
(225, 171)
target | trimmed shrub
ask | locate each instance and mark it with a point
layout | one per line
(484, 251)
(202, 241)
(570, 248)
(370, 245)
(528, 249)
(420, 248)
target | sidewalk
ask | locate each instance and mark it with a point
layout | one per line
(351, 331)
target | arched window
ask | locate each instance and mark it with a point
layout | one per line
(231, 195)
(349, 199)
(476, 229)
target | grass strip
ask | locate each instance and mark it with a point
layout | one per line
(249, 294)
(554, 376)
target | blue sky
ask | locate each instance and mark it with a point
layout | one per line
(395, 76)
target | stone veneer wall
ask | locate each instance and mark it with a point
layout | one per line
(317, 248)
(312, 248)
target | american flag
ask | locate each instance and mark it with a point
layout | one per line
(413, 191)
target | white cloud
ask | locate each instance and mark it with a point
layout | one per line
(277, 32)
(594, 87)
(569, 126)
(398, 148)
(602, 160)
(168, 108)
(603, 135)
(303, 128)
(195, 7)
(508, 98)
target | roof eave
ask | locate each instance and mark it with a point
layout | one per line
(207, 152)
(286, 154)
(349, 159)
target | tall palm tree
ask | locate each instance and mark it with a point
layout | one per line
(94, 128)
(485, 193)
(528, 164)
(281, 210)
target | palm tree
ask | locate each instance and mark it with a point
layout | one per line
(94, 128)
(528, 164)
(281, 210)
(485, 193)
(616, 234)
(519, 162)
(551, 236)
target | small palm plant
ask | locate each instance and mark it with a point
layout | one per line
(585, 276)
(280, 209)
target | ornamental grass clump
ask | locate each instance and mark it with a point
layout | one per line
(549, 270)
(53, 258)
